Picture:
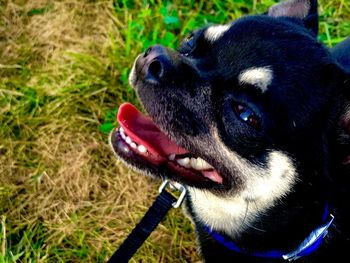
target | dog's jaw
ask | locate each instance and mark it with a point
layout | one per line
(265, 187)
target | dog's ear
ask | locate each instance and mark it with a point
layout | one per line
(306, 10)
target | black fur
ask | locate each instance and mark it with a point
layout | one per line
(189, 91)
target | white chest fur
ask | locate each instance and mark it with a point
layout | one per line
(264, 187)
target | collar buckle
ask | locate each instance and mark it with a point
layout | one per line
(174, 187)
(311, 243)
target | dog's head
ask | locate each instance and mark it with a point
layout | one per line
(242, 109)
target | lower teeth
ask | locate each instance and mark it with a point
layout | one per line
(187, 162)
(127, 139)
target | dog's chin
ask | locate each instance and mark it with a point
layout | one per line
(139, 143)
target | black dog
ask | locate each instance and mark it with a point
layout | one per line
(252, 118)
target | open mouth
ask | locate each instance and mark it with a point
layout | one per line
(141, 143)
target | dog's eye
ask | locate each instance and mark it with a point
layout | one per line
(190, 41)
(247, 115)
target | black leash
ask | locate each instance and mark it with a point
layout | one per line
(163, 203)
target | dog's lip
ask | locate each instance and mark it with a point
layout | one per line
(154, 166)
(155, 147)
(130, 119)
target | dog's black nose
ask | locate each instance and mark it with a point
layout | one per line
(157, 64)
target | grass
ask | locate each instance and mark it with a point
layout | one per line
(63, 73)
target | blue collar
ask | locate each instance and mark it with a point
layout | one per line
(306, 247)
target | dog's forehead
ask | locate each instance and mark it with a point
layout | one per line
(255, 50)
(235, 62)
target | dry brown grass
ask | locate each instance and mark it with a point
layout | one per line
(58, 177)
(71, 25)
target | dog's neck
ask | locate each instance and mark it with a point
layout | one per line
(256, 230)
(309, 245)
(295, 217)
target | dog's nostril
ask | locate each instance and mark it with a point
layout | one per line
(148, 50)
(156, 69)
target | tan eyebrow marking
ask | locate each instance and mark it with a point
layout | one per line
(213, 33)
(260, 77)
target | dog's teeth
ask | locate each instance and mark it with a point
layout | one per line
(122, 132)
(128, 140)
(200, 164)
(142, 149)
(184, 162)
(171, 157)
(133, 145)
(123, 135)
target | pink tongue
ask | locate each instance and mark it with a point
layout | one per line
(213, 175)
(142, 130)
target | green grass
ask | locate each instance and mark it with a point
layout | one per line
(63, 72)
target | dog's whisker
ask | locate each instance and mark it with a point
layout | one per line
(243, 222)
(261, 229)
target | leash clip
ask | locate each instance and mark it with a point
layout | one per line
(174, 186)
